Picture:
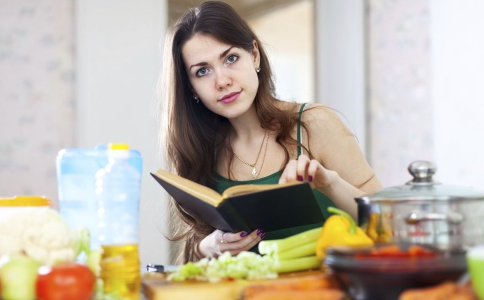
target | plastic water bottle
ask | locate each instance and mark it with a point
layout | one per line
(76, 170)
(76, 182)
(118, 191)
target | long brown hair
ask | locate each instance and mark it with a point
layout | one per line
(192, 133)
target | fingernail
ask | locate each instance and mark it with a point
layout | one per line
(258, 231)
(299, 177)
(244, 234)
(262, 235)
(310, 178)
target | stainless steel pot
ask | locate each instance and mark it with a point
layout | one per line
(424, 212)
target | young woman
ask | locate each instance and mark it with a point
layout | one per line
(224, 126)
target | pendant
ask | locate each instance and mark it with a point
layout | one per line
(254, 172)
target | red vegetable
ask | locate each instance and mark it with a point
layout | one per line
(393, 251)
(66, 280)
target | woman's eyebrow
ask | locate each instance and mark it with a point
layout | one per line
(226, 51)
(221, 56)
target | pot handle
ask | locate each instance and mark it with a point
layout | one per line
(451, 218)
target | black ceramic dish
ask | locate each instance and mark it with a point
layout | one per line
(384, 278)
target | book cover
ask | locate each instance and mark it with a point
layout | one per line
(245, 207)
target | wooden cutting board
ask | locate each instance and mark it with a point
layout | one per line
(156, 287)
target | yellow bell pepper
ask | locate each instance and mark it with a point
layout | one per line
(372, 228)
(340, 230)
(385, 235)
(378, 229)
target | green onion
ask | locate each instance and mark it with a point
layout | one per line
(277, 246)
(298, 264)
(299, 251)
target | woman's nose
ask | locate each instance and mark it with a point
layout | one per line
(223, 80)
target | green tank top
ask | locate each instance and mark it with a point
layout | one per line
(324, 202)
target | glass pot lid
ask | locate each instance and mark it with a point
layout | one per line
(422, 187)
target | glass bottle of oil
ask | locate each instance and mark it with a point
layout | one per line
(118, 190)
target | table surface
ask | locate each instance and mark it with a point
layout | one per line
(156, 287)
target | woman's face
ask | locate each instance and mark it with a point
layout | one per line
(222, 76)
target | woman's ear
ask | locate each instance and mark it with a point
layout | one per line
(255, 54)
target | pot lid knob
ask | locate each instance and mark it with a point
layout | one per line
(422, 172)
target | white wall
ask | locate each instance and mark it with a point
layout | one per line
(457, 45)
(36, 94)
(340, 61)
(118, 61)
(399, 84)
(290, 48)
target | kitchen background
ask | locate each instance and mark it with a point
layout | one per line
(406, 75)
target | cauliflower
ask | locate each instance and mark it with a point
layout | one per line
(40, 234)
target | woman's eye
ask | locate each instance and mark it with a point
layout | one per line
(201, 72)
(232, 58)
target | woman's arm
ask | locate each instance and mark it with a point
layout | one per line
(339, 168)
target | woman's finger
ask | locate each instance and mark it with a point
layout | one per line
(313, 168)
(302, 167)
(228, 237)
(289, 173)
(242, 239)
(245, 244)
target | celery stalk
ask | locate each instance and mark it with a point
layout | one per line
(298, 264)
(299, 251)
(276, 246)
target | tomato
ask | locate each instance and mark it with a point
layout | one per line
(66, 280)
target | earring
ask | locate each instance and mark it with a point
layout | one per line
(257, 70)
(196, 98)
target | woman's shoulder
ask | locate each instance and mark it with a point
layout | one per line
(319, 116)
(316, 116)
(309, 107)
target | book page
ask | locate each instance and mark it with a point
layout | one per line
(252, 188)
(199, 191)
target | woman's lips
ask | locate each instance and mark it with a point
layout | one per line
(230, 97)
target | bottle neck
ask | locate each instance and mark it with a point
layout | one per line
(118, 155)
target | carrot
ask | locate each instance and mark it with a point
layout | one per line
(319, 294)
(303, 283)
(444, 291)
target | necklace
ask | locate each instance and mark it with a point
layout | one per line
(254, 172)
(263, 158)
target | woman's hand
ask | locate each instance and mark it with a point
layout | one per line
(218, 242)
(311, 170)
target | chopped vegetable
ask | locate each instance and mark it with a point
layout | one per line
(340, 230)
(394, 251)
(277, 246)
(246, 265)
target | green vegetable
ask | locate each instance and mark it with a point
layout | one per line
(18, 274)
(246, 265)
(93, 261)
(307, 249)
(81, 241)
(277, 246)
(100, 294)
(340, 230)
(298, 264)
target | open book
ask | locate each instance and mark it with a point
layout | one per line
(245, 207)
